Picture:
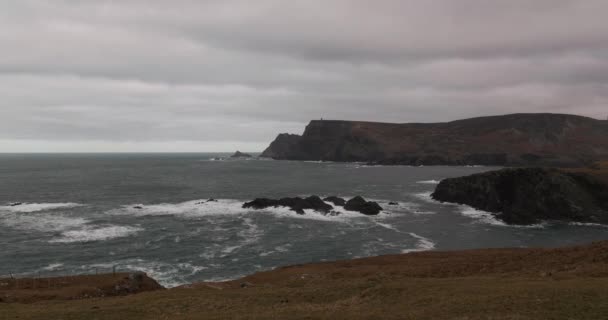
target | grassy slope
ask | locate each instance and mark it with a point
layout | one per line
(566, 283)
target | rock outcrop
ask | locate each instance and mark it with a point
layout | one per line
(239, 154)
(298, 204)
(369, 208)
(509, 140)
(530, 195)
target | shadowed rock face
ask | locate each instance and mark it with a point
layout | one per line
(296, 204)
(359, 204)
(510, 140)
(530, 195)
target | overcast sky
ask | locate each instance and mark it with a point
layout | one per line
(196, 75)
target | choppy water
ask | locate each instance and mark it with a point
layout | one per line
(78, 215)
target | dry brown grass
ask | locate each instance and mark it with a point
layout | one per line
(598, 170)
(566, 283)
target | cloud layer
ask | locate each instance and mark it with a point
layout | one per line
(188, 75)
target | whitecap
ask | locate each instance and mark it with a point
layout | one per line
(41, 222)
(188, 209)
(588, 224)
(35, 207)
(428, 182)
(53, 267)
(96, 234)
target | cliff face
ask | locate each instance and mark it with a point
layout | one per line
(530, 195)
(517, 139)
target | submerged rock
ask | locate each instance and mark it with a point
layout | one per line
(359, 204)
(138, 207)
(15, 204)
(296, 204)
(335, 200)
(393, 203)
(529, 195)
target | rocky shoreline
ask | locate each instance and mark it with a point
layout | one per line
(530, 195)
(535, 283)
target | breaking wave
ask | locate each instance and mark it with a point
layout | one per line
(36, 207)
(429, 182)
(96, 234)
(43, 223)
(222, 207)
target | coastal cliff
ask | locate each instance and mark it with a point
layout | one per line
(509, 140)
(530, 195)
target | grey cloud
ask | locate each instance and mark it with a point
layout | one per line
(213, 73)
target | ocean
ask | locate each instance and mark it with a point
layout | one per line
(78, 215)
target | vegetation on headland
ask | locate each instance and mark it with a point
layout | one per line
(562, 283)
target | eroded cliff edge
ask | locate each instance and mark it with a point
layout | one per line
(509, 140)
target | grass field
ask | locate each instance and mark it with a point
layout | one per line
(565, 283)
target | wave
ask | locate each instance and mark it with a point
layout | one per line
(43, 223)
(481, 216)
(188, 209)
(429, 181)
(222, 207)
(36, 207)
(424, 244)
(96, 234)
(588, 224)
(169, 275)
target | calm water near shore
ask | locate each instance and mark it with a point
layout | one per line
(78, 214)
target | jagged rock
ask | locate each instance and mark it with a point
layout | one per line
(359, 204)
(239, 154)
(15, 204)
(335, 200)
(296, 204)
(529, 195)
(393, 203)
(138, 207)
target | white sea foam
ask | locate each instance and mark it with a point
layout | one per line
(423, 244)
(429, 182)
(53, 267)
(481, 216)
(167, 274)
(188, 209)
(41, 222)
(408, 207)
(35, 207)
(588, 224)
(96, 234)
(426, 196)
(201, 208)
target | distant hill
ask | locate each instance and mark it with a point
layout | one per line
(507, 140)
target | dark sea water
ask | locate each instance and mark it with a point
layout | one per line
(78, 215)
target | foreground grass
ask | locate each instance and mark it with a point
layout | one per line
(565, 283)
